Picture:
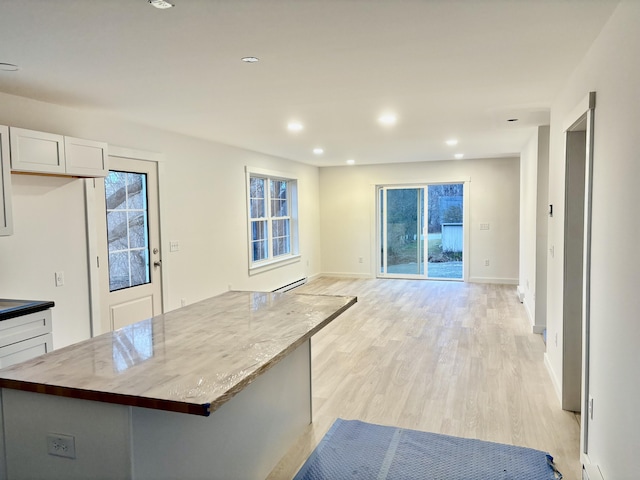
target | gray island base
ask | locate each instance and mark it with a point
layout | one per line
(216, 390)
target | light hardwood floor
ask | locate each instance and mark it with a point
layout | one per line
(446, 357)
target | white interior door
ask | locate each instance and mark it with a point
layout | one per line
(128, 243)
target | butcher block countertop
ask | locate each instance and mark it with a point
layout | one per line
(190, 360)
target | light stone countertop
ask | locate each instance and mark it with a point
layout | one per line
(190, 360)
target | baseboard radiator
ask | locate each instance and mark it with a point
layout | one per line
(591, 472)
(290, 286)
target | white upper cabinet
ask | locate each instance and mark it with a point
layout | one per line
(85, 158)
(48, 153)
(39, 152)
(6, 218)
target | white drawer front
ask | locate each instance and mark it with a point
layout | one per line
(25, 350)
(21, 328)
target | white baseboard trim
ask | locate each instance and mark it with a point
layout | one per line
(347, 275)
(527, 308)
(554, 379)
(501, 281)
(591, 472)
(315, 276)
(520, 293)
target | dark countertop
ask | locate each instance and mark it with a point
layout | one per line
(11, 308)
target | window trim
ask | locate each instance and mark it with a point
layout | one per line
(292, 188)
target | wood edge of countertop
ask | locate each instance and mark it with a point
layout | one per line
(202, 409)
(107, 397)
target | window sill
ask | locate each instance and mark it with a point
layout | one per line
(272, 264)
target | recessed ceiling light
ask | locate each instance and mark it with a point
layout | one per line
(161, 4)
(318, 151)
(388, 119)
(451, 142)
(351, 161)
(250, 59)
(8, 67)
(294, 126)
(458, 156)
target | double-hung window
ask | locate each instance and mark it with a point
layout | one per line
(273, 222)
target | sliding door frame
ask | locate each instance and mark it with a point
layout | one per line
(376, 226)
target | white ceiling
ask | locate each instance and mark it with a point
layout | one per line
(447, 68)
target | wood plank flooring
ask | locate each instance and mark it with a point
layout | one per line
(445, 357)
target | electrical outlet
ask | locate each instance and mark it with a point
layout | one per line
(174, 246)
(360, 260)
(183, 302)
(59, 279)
(61, 445)
(486, 262)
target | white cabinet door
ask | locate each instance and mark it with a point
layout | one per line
(6, 216)
(49, 153)
(85, 158)
(39, 152)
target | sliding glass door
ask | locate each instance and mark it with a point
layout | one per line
(402, 219)
(421, 231)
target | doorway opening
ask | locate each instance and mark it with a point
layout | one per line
(577, 264)
(421, 231)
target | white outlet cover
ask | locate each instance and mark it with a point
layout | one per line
(61, 445)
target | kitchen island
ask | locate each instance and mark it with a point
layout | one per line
(218, 389)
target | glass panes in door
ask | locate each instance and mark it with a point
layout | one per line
(127, 229)
(403, 227)
(445, 230)
(421, 231)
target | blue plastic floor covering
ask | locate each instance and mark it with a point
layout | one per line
(352, 449)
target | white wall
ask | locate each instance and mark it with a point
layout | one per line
(348, 213)
(528, 196)
(542, 228)
(612, 70)
(534, 178)
(203, 206)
